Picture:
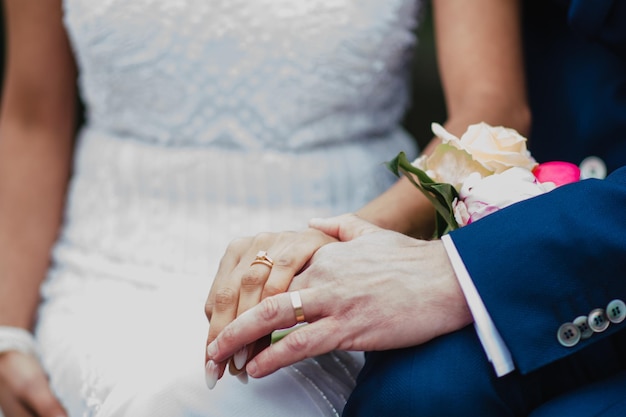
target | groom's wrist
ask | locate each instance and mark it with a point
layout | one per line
(496, 350)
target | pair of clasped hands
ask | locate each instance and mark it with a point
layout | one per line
(361, 288)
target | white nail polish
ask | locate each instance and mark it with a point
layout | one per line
(240, 358)
(211, 373)
(243, 377)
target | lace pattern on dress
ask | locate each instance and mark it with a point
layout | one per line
(245, 74)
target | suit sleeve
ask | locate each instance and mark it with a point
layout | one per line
(545, 261)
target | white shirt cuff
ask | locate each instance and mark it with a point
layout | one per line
(493, 345)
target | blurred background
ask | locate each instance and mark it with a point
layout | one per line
(427, 104)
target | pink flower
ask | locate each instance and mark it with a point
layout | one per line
(557, 172)
(480, 197)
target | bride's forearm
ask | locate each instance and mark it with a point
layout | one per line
(401, 208)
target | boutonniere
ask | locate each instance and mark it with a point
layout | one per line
(485, 170)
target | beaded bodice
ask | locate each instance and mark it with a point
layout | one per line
(284, 74)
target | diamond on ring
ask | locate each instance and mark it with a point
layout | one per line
(262, 258)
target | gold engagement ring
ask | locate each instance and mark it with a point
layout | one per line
(262, 258)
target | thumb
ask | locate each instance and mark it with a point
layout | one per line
(345, 227)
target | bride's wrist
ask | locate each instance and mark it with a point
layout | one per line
(17, 339)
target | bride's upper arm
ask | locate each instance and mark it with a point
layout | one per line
(39, 87)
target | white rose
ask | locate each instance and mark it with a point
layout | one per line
(495, 148)
(483, 196)
(450, 165)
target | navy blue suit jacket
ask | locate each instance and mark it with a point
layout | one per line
(546, 261)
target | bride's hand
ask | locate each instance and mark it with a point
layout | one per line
(24, 389)
(240, 285)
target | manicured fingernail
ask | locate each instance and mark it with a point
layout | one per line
(211, 350)
(243, 377)
(211, 374)
(241, 357)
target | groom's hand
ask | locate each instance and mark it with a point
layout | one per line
(380, 290)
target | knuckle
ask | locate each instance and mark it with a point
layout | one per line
(253, 278)
(225, 297)
(269, 309)
(296, 342)
(286, 261)
(227, 335)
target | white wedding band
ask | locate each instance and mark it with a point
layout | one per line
(296, 303)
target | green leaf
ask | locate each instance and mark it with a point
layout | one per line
(441, 195)
(279, 334)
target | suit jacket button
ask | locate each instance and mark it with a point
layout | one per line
(583, 327)
(592, 167)
(616, 311)
(597, 320)
(568, 334)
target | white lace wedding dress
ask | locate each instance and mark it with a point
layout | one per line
(207, 120)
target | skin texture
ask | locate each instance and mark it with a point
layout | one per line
(479, 53)
(36, 131)
(368, 306)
